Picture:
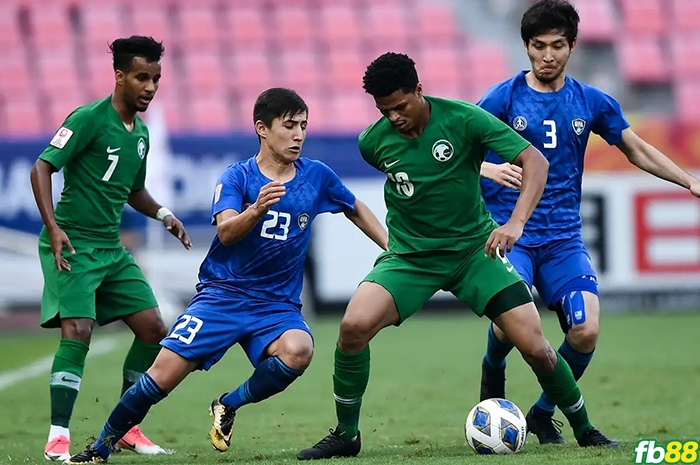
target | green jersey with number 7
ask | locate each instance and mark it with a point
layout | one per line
(102, 162)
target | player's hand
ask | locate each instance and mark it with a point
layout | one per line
(177, 229)
(269, 195)
(504, 174)
(503, 239)
(59, 240)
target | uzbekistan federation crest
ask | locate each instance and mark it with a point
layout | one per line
(579, 124)
(303, 221)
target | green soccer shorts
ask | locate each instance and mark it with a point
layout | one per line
(104, 284)
(470, 276)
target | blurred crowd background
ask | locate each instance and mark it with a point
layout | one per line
(220, 54)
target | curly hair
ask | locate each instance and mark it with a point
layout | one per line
(389, 73)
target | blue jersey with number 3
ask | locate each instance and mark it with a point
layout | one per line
(268, 263)
(558, 124)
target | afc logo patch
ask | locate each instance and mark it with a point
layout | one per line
(519, 123)
(303, 221)
(579, 124)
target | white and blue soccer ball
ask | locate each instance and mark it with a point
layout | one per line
(496, 426)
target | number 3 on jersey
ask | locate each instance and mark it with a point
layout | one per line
(551, 134)
(403, 185)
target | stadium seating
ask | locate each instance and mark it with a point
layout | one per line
(222, 54)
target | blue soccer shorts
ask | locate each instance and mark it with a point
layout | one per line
(217, 319)
(555, 269)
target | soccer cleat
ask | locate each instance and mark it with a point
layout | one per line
(89, 455)
(545, 427)
(493, 382)
(222, 429)
(333, 445)
(57, 449)
(134, 440)
(594, 438)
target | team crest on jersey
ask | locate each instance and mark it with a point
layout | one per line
(579, 124)
(303, 221)
(519, 123)
(443, 150)
(141, 147)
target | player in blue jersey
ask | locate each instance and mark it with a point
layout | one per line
(556, 114)
(250, 281)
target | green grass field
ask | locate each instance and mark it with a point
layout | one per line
(425, 376)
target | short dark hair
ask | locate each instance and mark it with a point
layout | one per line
(389, 73)
(278, 102)
(547, 16)
(125, 49)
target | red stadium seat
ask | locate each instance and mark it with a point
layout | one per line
(58, 73)
(386, 26)
(22, 116)
(685, 53)
(685, 15)
(440, 68)
(14, 66)
(300, 70)
(204, 73)
(198, 26)
(50, 27)
(340, 28)
(485, 65)
(148, 19)
(598, 20)
(102, 23)
(291, 27)
(10, 34)
(642, 60)
(251, 73)
(320, 113)
(643, 17)
(210, 113)
(245, 27)
(687, 97)
(62, 106)
(435, 24)
(99, 68)
(352, 111)
(345, 70)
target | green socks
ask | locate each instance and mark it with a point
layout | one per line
(139, 359)
(350, 378)
(66, 375)
(560, 386)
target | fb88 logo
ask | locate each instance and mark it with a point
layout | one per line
(647, 451)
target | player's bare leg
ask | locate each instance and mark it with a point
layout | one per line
(523, 328)
(287, 358)
(577, 349)
(371, 309)
(149, 329)
(166, 373)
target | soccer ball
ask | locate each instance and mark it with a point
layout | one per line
(496, 426)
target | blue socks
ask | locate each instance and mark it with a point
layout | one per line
(270, 377)
(130, 411)
(578, 363)
(496, 351)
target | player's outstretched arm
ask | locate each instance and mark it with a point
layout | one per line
(142, 201)
(535, 169)
(647, 157)
(369, 224)
(40, 177)
(504, 174)
(232, 226)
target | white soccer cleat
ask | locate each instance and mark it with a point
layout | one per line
(135, 440)
(57, 449)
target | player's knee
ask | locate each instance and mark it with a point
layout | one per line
(296, 353)
(538, 353)
(355, 332)
(79, 329)
(584, 338)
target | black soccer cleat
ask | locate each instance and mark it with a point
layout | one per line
(89, 455)
(493, 382)
(545, 427)
(594, 438)
(333, 445)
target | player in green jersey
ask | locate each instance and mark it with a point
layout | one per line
(441, 237)
(88, 276)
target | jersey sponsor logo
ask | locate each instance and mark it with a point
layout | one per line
(61, 138)
(141, 147)
(389, 165)
(303, 221)
(112, 150)
(579, 124)
(443, 150)
(217, 193)
(519, 123)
